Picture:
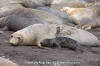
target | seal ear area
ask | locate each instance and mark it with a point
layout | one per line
(14, 40)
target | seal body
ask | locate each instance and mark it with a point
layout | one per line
(21, 20)
(79, 15)
(60, 14)
(34, 34)
(30, 16)
(69, 3)
(82, 36)
(26, 3)
(62, 42)
(86, 18)
(11, 6)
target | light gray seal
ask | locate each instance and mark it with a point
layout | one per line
(34, 34)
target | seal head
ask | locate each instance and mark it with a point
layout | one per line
(15, 39)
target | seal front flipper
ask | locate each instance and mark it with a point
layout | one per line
(40, 46)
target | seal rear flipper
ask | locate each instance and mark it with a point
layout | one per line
(97, 44)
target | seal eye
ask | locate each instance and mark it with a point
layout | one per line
(19, 38)
(11, 36)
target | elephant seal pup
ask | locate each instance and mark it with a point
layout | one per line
(30, 16)
(62, 42)
(34, 34)
(6, 62)
(83, 17)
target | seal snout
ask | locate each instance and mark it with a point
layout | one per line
(14, 40)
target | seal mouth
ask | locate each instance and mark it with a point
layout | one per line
(14, 44)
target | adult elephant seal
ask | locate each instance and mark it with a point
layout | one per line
(8, 7)
(62, 15)
(34, 34)
(85, 18)
(69, 3)
(82, 36)
(6, 62)
(30, 16)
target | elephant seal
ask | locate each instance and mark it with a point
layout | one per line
(30, 16)
(62, 15)
(85, 18)
(21, 20)
(6, 62)
(8, 7)
(68, 3)
(62, 42)
(82, 36)
(34, 34)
